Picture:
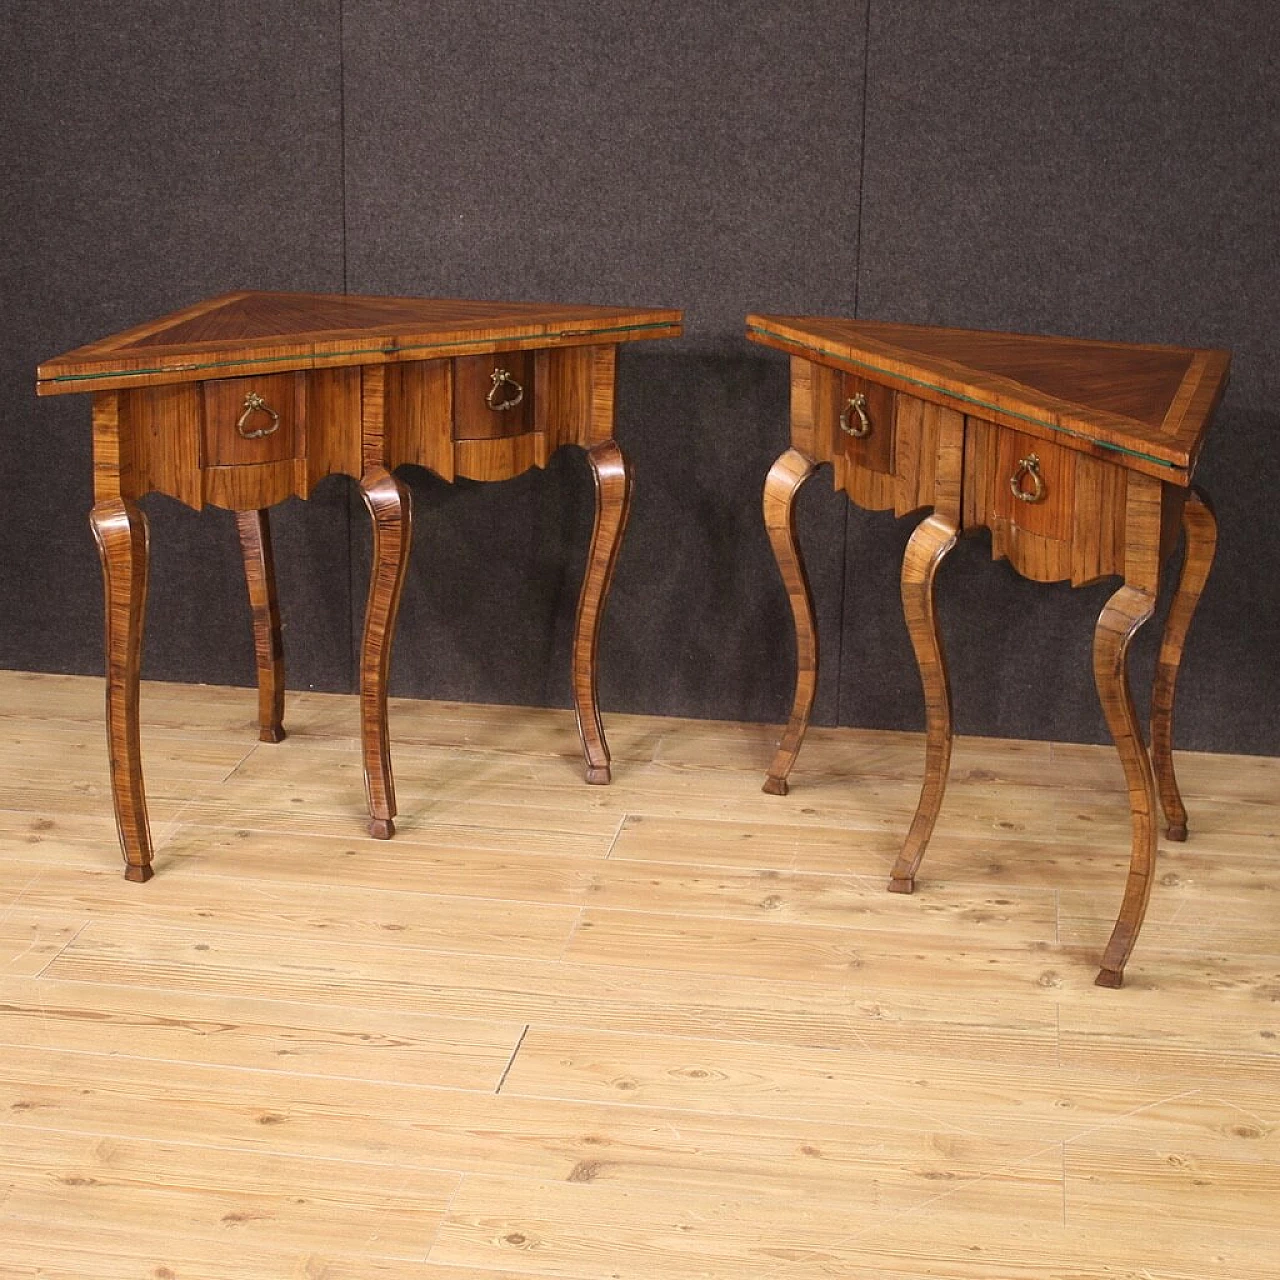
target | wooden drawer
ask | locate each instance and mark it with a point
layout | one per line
(493, 396)
(1068, 523)
(253, 420)
(864, 421)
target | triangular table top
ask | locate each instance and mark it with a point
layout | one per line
(244, 333)
(1151, 404)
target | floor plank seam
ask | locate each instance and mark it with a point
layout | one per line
(511, 1060)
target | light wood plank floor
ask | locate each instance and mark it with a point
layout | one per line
(672, 1028)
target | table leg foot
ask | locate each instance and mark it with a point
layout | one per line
(929, 545)
(260, 578)
(1109, 978)
(1119, 620)
(612, 476)
(390, 505)
(1201, 532)
(120, 531)
(781, 487)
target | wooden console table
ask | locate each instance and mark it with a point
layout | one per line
(1077, 456)
(247, 399)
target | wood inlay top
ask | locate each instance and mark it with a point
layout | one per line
(1151, 402)
(257, 332)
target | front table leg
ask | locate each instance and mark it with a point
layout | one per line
(120, 530)
(612, 476)
(1201, 531)
(260, 578)
(929, 544)
(391, 505)
(1120, 618)
(780, 489)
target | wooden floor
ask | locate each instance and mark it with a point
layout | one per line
(671, 1028)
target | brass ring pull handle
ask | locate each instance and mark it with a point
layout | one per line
(1028, 466)
(507, 399)
(254, 403)
(857, 404)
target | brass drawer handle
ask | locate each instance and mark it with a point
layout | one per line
(254, 403)
(501, 378)
(857, 404)
(1028, 466)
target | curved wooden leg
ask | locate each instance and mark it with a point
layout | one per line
(781, 486)
(390, 505)
(260, 578)
(929, 544)
(613, 504)
(1201, 531)
(1120, 618)
(120, 530)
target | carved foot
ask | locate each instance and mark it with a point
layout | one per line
(1120, 619)
(929, 545)
(120, 530)
(391, 507)
(781, 486)
(612, 477)
(1201, 532)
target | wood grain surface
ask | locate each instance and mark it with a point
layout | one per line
(390, 506)
(121, 533)
(1148, 405)
(655, 1029)
(612, 477)
(781, 486)
(254, 528)
(240, 334)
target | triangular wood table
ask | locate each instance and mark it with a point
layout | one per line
(1076, 455)
(247, 399)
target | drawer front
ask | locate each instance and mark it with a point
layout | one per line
(864, 424)
(1034, 485)
(493, 395)
(252, 420)
(1054, 513)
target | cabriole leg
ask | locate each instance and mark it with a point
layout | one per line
(120, 530)
(1120, 618)
(781, 486)
(390, 505)
(1201, 531)
(612, 476)
(260, 578)
(929, 544)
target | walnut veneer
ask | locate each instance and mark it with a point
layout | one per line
(1077, 456)
(247, 399)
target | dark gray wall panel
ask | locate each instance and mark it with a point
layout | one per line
(670, 154)
(155, 152)
(1108, 171)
